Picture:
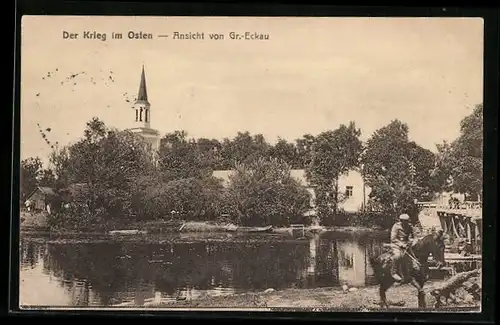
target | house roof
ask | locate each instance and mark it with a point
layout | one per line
(300, 176)
(43, 189)
(223, 174)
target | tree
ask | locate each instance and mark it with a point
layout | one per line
(31, 169)
(462, 161)
(180, 157)
(47, 178)
(59, 160)
(104, 164)
(333, 154)
(285, 151)
(244, 148)
(209, 151)
(397, 171)
(192, 198)
(263, 192)
(303, 149)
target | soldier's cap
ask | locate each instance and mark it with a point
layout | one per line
(404, 217)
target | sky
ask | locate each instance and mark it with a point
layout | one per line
(310, 76)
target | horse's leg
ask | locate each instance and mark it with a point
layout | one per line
(419, 285)
(385, 284)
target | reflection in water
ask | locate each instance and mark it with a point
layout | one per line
(107, 274)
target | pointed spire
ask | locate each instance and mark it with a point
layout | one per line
(143, 94)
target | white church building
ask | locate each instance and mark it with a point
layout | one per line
(353, 192)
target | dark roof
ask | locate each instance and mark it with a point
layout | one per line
(43, 189)
(142, 96)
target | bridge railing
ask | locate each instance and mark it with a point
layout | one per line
(467, 205)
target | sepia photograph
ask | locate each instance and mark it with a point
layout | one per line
(251, 163)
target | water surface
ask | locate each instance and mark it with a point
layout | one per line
(127, 273)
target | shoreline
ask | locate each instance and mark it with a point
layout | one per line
(187, 237)
(278, 231)
(402, 297)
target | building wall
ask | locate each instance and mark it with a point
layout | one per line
(360, 192)
(152, 139)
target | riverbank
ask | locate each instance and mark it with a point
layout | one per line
(195, 227)
(362, 299)
(187, 236)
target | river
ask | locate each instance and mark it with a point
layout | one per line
(126, 273)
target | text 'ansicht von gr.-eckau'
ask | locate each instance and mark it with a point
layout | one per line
(140, 35)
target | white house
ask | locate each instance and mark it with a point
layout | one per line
(353, 192)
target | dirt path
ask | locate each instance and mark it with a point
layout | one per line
(364, 299)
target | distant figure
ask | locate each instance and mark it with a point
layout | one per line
(402, 236)
(28, 205)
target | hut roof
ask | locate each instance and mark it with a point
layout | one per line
(43, 189)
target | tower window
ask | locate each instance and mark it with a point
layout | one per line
(348, 191)
(140, 114)
(136, 115)
(146, 115)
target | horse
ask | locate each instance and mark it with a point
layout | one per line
(416, 266)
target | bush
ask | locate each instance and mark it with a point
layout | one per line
(190, 198)
(264, 193)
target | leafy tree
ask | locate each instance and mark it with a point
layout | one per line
(59, 160)
(333, 154)
(461, 162)
(104, 165)
(180, 156)
(209, 151)
(263, 192)
(398, 171)
(244, 148)
(285, 151)
(47, 178)
(30, 172)
(192, 198)
(303, 149)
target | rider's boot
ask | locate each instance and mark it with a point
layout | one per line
(394, 272)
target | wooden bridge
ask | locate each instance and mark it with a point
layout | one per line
(459, 220)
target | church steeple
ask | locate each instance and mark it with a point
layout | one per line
(141, 105)
(143, 93)
(142, 126)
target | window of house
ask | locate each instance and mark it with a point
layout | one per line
(348, 191)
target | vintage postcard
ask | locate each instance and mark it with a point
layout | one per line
(251, 163)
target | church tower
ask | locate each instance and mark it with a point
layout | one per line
(142, 116)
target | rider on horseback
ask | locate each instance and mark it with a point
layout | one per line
(401, 239)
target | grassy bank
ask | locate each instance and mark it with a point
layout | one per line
(363, 299)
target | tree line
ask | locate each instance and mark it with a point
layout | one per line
(110, 177)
